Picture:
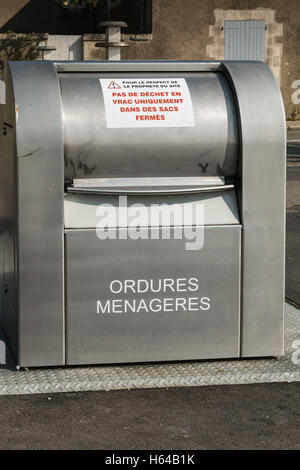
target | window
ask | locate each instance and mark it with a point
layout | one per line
(245, 40)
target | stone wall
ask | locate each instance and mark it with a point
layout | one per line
(192, 29)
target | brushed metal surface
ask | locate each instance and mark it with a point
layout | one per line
(262, 206)
(93, 150)
(8, 216)
(146, 186)
(129, 190)
(136, 65)
(80, 210)
(39, 181)
(91, 264)
(239, 132)
(153, 182)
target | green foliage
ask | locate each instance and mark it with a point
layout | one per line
(78, 3)
(19, 47)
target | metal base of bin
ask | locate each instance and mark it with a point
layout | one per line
(183, 374)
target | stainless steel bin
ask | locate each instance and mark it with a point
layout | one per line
(85, 144)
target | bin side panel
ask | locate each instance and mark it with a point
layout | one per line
(262, 203)
(40, 213)
(8, 240)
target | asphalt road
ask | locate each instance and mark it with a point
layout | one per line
(265, 416)
(224, 417)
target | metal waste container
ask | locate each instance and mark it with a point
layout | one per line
(142, 211)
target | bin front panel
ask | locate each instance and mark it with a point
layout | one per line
(152, 300)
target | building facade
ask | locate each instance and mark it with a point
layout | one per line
(163, 29)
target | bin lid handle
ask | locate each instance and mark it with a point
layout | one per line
(128, 191)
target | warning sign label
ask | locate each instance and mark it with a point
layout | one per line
(113, 85)
(147, 102)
